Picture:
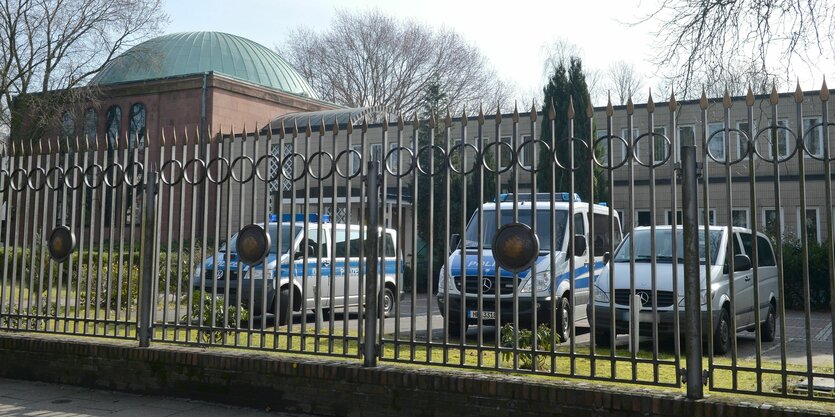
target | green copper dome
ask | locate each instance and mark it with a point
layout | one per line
(188, 53)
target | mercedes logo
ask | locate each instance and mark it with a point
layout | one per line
(219, 274)
(644, 297)
(486, 284)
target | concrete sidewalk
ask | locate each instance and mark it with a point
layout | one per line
(25, 398)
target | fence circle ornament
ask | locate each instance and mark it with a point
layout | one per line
(515, 247)
(171, 179)
(498, 170)
(36, 182)
(356, 171)
(323, 173)
(742, 155)
(775, 128)
(91, 174)
(654, 164)
(288, 166)
(61, 243)
(264, 178)
(4, 180)
(117, 178)
(387, 161)
(17, 186)
(68, 177)
(253, 244)
(810, 132)
(463, 149)
(442, 162)
(532, 169)
(225, 168)
(200, 174)
(576, 167)
(58, 180)
(133, 176)
(609, 140)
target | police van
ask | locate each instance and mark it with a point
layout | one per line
(310, 260)
(473, 289)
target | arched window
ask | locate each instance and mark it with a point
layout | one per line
(91, 123)
(114, 125)
(137, 125)
(67, 125)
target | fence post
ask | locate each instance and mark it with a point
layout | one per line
(692, 304)
(371, 253)
(149, 236)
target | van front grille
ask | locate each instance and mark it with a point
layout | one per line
(665, 298)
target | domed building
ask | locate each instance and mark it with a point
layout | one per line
(200, 81)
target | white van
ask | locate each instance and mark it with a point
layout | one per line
(664, 299)
(324, 253)
(485, 292)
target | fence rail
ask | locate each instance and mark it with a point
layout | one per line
(377, 241)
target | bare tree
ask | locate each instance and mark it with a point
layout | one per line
(56, 46)
(558, 52)
(624, 82)
(699, 37)
(371, 59)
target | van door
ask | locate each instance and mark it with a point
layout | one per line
(743, 283)
(316, 275)
(583, 270)
(345, 265)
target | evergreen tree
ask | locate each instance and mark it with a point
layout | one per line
(567, 87)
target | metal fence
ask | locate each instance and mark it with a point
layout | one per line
(382, 241)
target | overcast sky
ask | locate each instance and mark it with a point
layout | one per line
(511, 34)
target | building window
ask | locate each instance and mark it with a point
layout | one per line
(505, 153)
(686, 136)
(812, 224)
(813, 136)
(770, 220)
(784, 146)
(624, 133)
(526, 157)
(739, 141)
(114, 125)
(644, 217)
(287, 168)
(67, 125)
(91, 123)
(739, 217)
(659, 145)
(716, 141)
(680, 218)
(137, 125)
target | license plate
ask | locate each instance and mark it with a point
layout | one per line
(486, 315)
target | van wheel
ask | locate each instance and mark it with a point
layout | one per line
(563, 318)
(722, 335)
(283, 301)
(387, 308)
(768, 328)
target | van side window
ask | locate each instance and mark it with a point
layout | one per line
(602, 238)
(748, 245)
(347, 247)
(579, 224)
(766, 256)
(316, 239)
(389, 246)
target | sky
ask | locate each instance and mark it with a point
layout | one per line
(513, 35)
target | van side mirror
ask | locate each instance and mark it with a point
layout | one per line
(607, 257)
(454, 241)
(742, 263)
(578, 246)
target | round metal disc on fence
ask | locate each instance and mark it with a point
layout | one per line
(253, 244)
(61, 243)
(515, 247)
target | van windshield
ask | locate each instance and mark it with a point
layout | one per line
(543, 227)
(287, 234)
(664, 246)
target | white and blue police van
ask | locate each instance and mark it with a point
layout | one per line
(473, 289)
(311, 259)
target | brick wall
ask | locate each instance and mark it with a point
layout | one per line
(341, 388)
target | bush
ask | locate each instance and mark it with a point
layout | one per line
(543, 335)
(207, 314)
(819, 289)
